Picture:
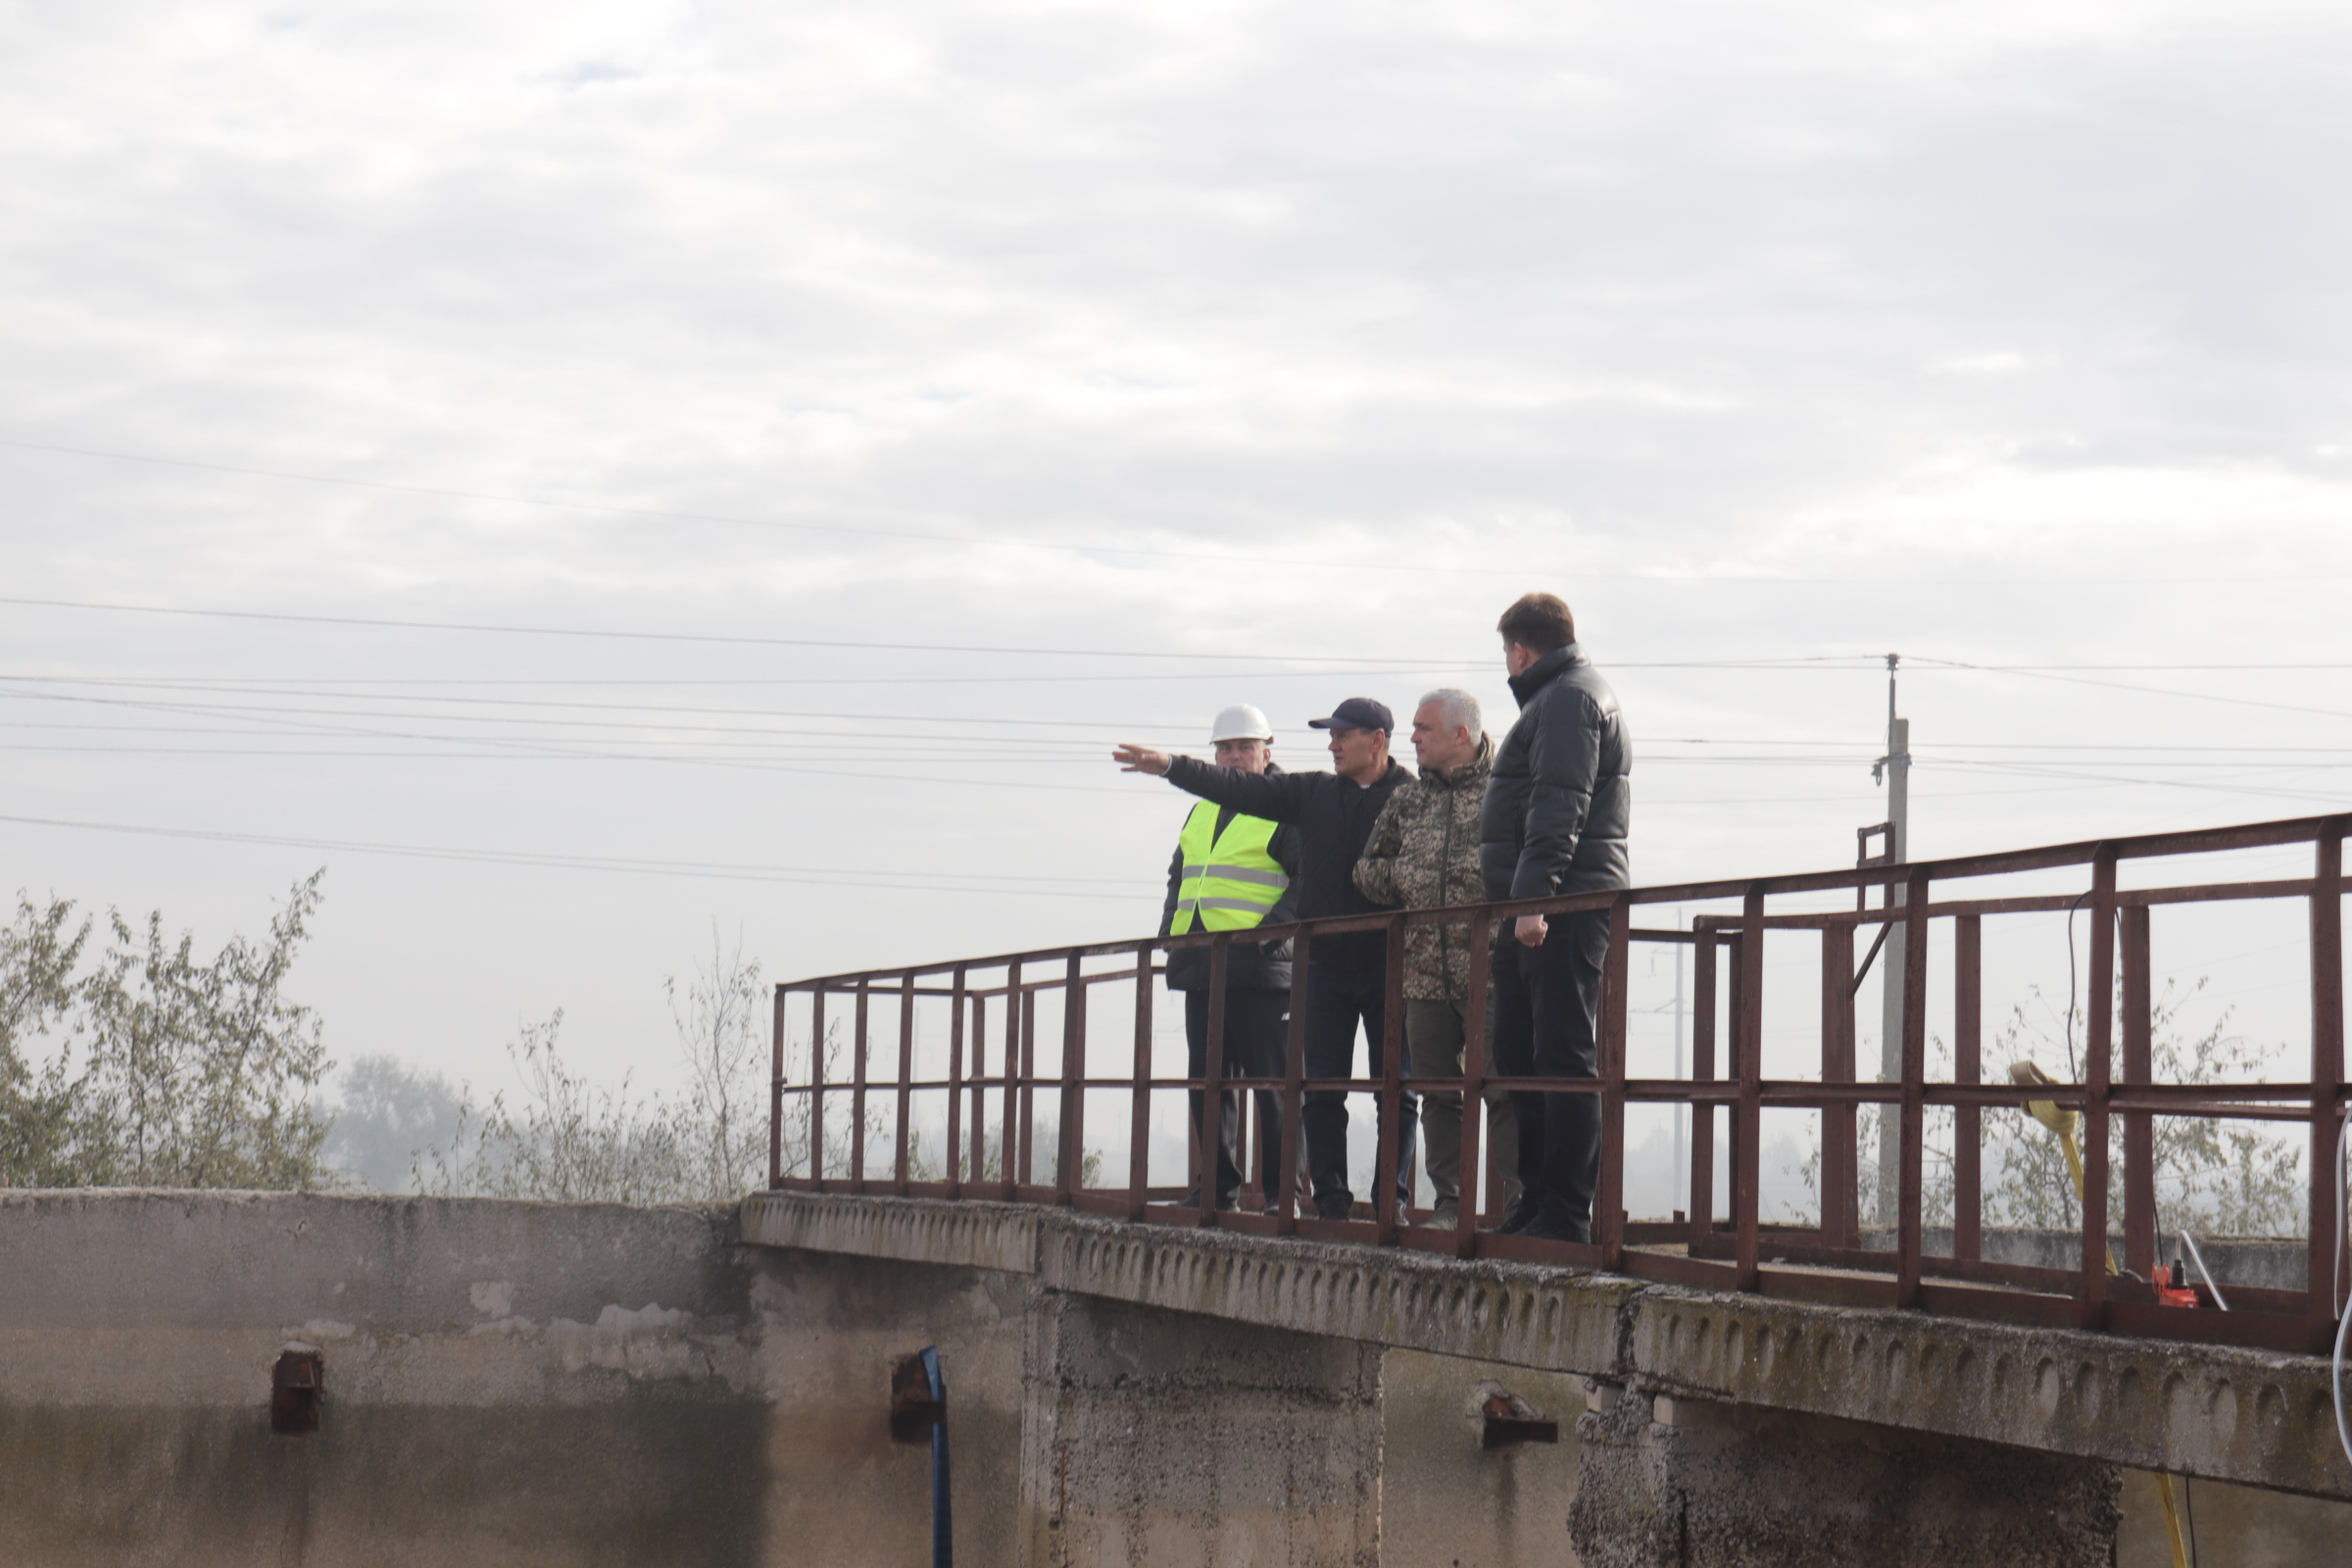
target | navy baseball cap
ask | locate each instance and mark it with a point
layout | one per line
(1357, 712)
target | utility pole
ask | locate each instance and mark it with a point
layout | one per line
(1896, 768)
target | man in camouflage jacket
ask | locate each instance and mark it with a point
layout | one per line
(1423, 855)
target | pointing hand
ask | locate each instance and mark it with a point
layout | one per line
(1139, 759)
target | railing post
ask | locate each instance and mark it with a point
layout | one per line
(1139, 1107)
(2326, 1058)
(897, 1172)
(2141, 1242)
(1967, 1067)
(1474, 1091)
(1840, 1215)
(1608, 1218)
(816, 1089)
(775, 1103)
(857, 1093)
(2098, 1066)
(1747, 1054)
(1208, 1126)
(1025, 1174)
(1705, 948)
(1293, 1092)
(1911, 1156)
(1069, 1176)
(1011, 1145)
(979, 1153)
(955, 1004)
(1389, 1099)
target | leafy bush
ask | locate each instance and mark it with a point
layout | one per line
(167, 1071)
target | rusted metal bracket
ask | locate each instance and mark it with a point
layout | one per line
(914, 1410)
(1508, 1422)
(296, 1384)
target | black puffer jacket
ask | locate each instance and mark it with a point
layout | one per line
(1334, 815)
(1559, 804)
(1249, 965)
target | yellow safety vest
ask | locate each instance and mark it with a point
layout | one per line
(1231, 879)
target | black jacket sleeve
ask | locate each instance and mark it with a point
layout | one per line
(1276, 796)
(1285, 850)
(1167, 907)
(1563, 765)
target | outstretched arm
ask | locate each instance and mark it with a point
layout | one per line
(1276, 796)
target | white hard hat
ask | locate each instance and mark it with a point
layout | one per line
(1240, 722)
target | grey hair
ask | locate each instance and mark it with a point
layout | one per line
(1455, 707)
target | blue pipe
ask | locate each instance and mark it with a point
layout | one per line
(943, 1543)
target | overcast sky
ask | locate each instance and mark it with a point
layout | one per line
(892, 405)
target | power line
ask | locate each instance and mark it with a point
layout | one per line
(817, 877)
(1355, 561)
(2122, 686)
(502, 629)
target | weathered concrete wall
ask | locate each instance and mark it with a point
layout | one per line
(832, 1330)
(521, 1383)
(586, 1385)
(1686, 1483)
(1161, 1438)
(1445, 1501)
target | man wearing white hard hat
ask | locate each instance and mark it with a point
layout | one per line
(1346, 985)
(1232, 873)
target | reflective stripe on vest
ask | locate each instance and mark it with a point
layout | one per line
(1230, 881)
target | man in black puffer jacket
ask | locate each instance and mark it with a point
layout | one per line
(1347, 979)
(1555, 821)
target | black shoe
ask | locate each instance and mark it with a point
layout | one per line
(1345, 1210)
(1552, 1224)
(1522, 1216)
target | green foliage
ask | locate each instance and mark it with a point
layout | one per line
(167, 1071)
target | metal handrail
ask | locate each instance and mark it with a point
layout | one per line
(1740, 1252)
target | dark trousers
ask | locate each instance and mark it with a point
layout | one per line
(1339, 997)
(1546, 1018)
(1253, 1032)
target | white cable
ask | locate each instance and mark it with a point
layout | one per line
(2190, 1242)
(2343, 1147)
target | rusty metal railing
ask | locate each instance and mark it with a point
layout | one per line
(993, 1064)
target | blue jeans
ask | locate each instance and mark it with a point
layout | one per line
(1339, 997)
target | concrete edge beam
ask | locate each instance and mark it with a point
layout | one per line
(968, 1235)
(2255, 1417)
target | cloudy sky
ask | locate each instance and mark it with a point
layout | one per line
(595, 474)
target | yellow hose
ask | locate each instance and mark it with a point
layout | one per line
(2171, 1521)
(2067, 1124)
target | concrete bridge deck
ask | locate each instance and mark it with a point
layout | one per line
(2251, 1417)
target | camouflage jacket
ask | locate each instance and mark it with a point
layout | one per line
(1423, 855)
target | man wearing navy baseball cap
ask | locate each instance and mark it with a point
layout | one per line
(1347, 972)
